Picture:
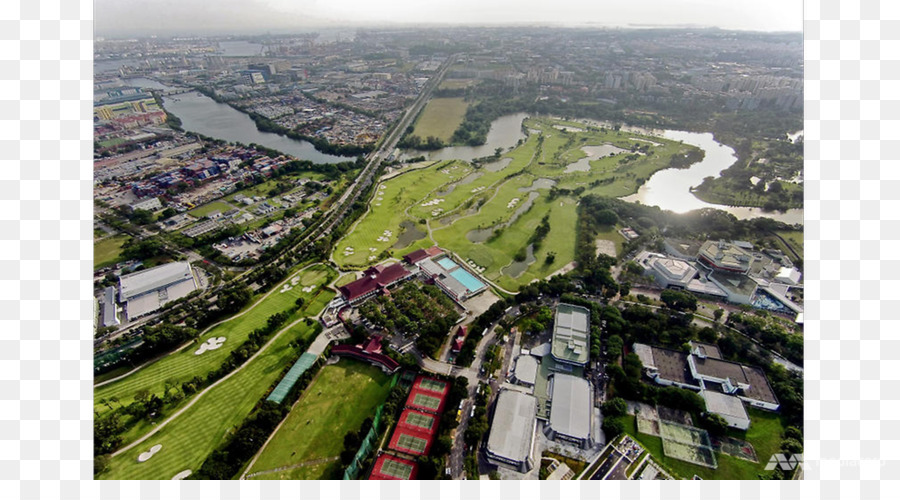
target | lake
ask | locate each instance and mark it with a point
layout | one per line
(202, 115)
(504, 133)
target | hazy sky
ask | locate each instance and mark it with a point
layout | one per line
(139, 17)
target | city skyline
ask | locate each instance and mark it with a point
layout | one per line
(165, 17)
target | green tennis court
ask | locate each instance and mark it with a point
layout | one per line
(433, 385)
(424, 401)
(411, 443)
(396, 469)
(419, 420)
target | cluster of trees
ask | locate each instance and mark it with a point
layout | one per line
(264, 124)
(415, 309)
(226, 462)
(614, 411)
(770, 333)
(411, 141)
(352, 442)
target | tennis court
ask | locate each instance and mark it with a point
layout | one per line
(411, 443)
(419, 420)
(425, 401)
(396, 469)
(684, 434)
(697, 455)
(432, 385)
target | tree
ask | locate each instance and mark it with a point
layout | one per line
(606, 217)
(614, 345)
(718, 313)
(612, 427)
(679, 301)
(715, 424)
(615, 407)
(168, 212)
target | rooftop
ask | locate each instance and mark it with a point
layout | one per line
(141, 282)
(512, 430)
(672, 365)
(570, 406)
(726, 256)
(374, 278)
(571, 334)
(723, 404)
(526, 369)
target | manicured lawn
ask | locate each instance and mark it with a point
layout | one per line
(764, 434)
(341, 397)
(187, 440)
(441, 117)
(215, 206)
(108, 250)
(184, 365)
(387, 213)
(456, 83)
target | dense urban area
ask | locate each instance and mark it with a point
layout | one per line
(493, 253)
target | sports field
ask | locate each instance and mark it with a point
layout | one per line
(412, 443)
(433, 385)
(190, 437)
(108, 250)
(429, 402)
(441, 117)
(396, 469)
(338, 400)
(215, 206)
(764, 435)
(182, 366)
(419, 420)
(487, 215)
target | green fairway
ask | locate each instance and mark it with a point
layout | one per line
(181, 366)
(487, 215)
(441, 117)
(107, 251)
(367, 238)
(187, 440)
(215, 206)
(340, 398)
(764, 434)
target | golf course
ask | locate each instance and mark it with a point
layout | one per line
(487, 213)
(170, 371)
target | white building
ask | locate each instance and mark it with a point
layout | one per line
(146, 291)
(149, 204)
(728, 407)
(570, 410)
(511, 440)
(666, 271)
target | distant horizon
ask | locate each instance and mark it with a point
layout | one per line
(325, 28)
(140, 18)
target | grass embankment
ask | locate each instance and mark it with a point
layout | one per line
(183, 365)
(441, 117)
(764, 434)
(108, 251)
(189, 438)
(794, 239)
(337, 402)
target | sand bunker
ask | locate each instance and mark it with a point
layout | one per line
(211, 344)
(143, 457)
(181, 475)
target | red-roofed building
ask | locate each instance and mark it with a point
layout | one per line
(369, 351)
(389, 467)
(424, 253)
(374, 280)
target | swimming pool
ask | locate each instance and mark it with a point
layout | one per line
(447, 263)
(468, 281)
